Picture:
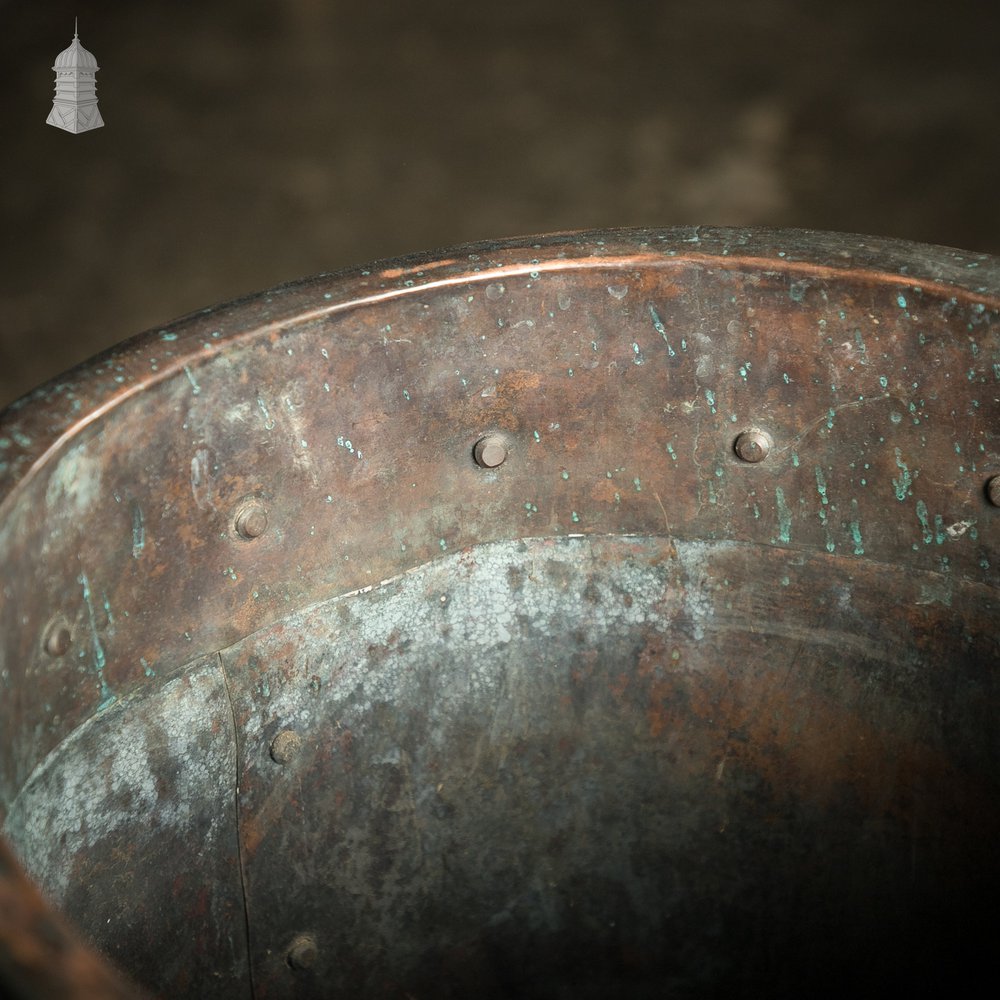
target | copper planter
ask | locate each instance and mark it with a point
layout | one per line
(601, 615)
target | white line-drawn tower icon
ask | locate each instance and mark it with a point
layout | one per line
(75, 106)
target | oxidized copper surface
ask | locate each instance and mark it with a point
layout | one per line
(629, 597)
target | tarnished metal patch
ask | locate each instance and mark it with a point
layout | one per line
(130, 825)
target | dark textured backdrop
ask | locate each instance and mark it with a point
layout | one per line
(250, 143)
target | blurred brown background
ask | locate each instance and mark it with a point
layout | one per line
(251, 143)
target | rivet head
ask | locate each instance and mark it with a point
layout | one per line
(490, 451)
(752, 446)
(285, 746)
(302, 952)
(57, 639)
(993, 490)
(250, 520)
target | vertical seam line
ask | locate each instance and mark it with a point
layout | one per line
(239, 831)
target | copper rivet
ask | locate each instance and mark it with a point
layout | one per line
(57, 640)
(285, 746)
(993, 490)
(490, 451)
(251, 520)
(752, 446)
(302, 952)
